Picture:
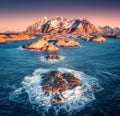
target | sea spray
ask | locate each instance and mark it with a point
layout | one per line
(20, 48)
(75, 99)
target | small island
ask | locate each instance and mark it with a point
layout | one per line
(56, 83)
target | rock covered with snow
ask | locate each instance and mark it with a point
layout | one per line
(37, 26)
(62, 25)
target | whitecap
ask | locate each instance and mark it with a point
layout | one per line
(75, 99)
(20, 48)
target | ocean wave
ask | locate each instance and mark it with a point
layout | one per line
(20, 48)
(75, 99)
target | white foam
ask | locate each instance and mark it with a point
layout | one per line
(75, 99)
(43, 59)
(20, 48)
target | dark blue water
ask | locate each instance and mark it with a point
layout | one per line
(97, 65)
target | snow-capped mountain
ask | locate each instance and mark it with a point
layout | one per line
(37, 26)
(63, 25)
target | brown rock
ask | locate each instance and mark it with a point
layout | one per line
(56, 100)
(72, 80)
(86, 37)
(37, 45)
(59, 36)
(42, 45)
(51, 48)
(64, 31)
(71, 43)
(118, 36)
(20, 37)
(67, 43)
(98, 39)
(15, 37)
(3, 38)
(82, 27)
(73, 36)
(53, 31)
(53, 57)
(56, 83)
(48, 38)
(60, 42)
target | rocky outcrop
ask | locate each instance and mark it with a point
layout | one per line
(42, 45)
(67, 43)
(86, 37)
(3, 38)
(51, 48)
(48, 38)
(45, 45)
(52, 57)
(98, 39)
(15, 37)
(20, 37)
(37, 45)
(82, 27)
(56, 83)
(118, 36)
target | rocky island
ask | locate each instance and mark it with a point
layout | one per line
(52, 57)
(15, 37)
(55, 83)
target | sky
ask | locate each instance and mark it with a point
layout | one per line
(16, 15)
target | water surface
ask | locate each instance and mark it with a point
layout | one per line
(96, 64)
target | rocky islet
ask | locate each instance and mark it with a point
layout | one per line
(55, 83)
(15, 37)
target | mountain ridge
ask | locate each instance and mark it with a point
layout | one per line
(63, 25)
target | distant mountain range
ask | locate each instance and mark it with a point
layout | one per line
(66, 26)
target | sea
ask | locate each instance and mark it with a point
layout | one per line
(97, 65)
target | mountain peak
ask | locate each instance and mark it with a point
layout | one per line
(58, 18)
(60, 24)
(44, 18)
